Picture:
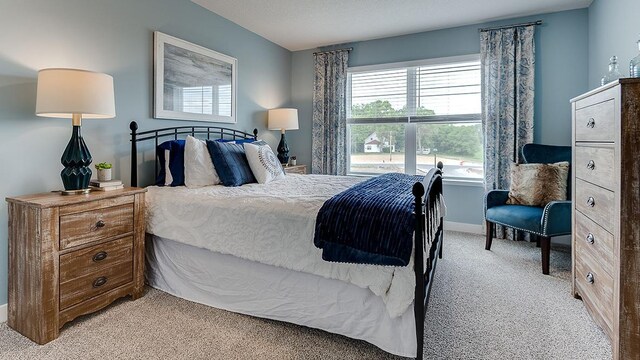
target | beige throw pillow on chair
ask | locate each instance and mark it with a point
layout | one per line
(538, 184)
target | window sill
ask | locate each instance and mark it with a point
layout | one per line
(462, 182)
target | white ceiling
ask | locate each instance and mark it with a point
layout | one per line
(305, 24)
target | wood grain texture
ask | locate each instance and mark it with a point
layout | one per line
(33, 275)
(624, 232)
(84, 227)
(597, 241)
(596, 123)
(602, 211)
(138, 246)
(85, 287)
(35, 259)
(596, 164)
(55, 199)
(629, 303)
(296, 169)
(95, 259)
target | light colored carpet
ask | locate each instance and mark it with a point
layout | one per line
(484, 305)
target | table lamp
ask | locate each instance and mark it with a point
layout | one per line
(283, 119)
(75, 94)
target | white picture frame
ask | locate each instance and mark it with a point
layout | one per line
(192, 82)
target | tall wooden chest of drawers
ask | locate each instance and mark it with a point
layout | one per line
(606, 211)
(72, 255)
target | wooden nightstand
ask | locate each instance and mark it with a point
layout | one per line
(72, 255)
(296, 169)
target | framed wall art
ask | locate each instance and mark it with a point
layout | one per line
(192, 82)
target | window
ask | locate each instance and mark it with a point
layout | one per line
(407, 117)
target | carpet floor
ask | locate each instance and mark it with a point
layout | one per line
(484, 305)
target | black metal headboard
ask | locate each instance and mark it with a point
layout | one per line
(209, 131)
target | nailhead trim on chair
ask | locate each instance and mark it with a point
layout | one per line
(517, 228)
(545, 218)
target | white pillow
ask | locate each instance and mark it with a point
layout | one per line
(263, 162)
(198, 167)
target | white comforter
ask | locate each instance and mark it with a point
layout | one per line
(272, 224)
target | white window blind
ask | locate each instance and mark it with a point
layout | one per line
(422, 92)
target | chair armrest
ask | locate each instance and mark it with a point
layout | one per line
(495, 198)
(556, 218)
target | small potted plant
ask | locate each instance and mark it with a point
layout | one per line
(293, 160)
(104, 171)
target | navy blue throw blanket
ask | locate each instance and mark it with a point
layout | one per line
(369, 223)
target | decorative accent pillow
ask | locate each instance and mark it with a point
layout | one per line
(171, 158)
(263, 162)
(231, 163)
(198, 166)
(538, 184)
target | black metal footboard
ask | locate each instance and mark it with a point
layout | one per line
(428, 240)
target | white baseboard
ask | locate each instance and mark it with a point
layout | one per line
(3, 313)
(464, 227)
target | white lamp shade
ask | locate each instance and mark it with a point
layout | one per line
(64, 92)
(283, 119)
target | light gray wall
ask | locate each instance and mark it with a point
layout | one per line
(561, 68)
(115, 37)
(614, 29)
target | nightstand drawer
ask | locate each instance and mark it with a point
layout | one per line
(95, 258)
(296, 169)
(597, 203)
(595, 122)
(75, 291)
(94, 225)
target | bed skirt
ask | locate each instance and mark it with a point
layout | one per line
(251, 288)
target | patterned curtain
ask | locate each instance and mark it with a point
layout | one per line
(330, 113)
(508, 62)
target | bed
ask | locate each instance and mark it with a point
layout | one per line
(250, 250)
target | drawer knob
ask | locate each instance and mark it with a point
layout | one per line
(100, 224)
(100, 256)
(591, 123)
(591, 165)
(99, 281)
(590, 238)
(591, 201)
(590, 278)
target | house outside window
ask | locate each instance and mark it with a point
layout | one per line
(405, 117)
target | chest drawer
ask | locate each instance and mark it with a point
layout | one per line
(596, 122)
(596, 289)
(591, 238)
(85, 287)
(596, 165)
(596, 203)
(97, 224)
(95, 259)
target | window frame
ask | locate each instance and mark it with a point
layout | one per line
(410, 121)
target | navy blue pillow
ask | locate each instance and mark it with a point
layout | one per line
(231, 163)
(176, 162)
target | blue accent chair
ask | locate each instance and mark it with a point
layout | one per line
(542, 223)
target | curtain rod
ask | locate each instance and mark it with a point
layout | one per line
(330, 51)
(539, 22)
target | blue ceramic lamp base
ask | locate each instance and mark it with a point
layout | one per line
(283, 151)
(76, 160)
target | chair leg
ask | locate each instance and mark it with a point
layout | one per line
(490, 234)
(537, 240)
(545, 245)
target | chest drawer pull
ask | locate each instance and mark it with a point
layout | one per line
(100, 256)
(590, 278)
(591, 165)
(591, 201)
(591, 123)
(590, 238)
(99, 281)
(100, 224)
